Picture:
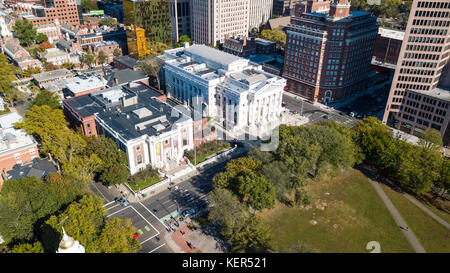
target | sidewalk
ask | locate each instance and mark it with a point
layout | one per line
(179, 237)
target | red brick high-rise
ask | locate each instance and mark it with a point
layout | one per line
(46, 11)
(328, 50)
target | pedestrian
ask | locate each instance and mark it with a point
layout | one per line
(407, 229)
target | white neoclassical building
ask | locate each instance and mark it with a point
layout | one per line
(223, 86)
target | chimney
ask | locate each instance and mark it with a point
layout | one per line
(116, 81)
(244, 42)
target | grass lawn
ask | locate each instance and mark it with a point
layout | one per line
(433, 236)
(145, 183)
(202, 153)
(348, 212)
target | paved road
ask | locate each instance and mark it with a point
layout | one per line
(315, 113)
(409, 234)
(152, 216)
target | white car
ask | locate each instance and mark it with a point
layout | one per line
(353, 114)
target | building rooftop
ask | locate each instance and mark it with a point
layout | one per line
(12, 139)
(52, 75)
(393, 34)
(53, 52)
(127, 61)
(38, 168)
(211, 54)
(130, 112)
(8, 120)
(125, 76)
(438, 93)
(82, 84)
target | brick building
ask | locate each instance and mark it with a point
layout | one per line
(328, 50)
(47, 11)
(388, 45)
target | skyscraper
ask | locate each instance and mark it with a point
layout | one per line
(180, 13)
(420, 96)
(214, 20)
(147, 23)
(260, 12)
(328, 50)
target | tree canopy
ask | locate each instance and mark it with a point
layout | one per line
(7, 80)
(25, 32)
(46, 97)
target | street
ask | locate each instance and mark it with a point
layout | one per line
(315, 113)
(156, 215)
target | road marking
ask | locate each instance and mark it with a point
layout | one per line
(151, 238)
(107, 216)
(153, 216)
(157, 247)
(144, 219)
(93, 183)
(108, 204)
(114, 206)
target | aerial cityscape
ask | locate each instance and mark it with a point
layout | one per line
(224, 126)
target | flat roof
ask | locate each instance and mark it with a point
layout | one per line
(439, 93)
(80, 84)
(212, 54)
(390, 33)
(52, 75)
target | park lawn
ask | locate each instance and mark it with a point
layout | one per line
(202, 155)
(151, 180)
(433, 236)
(348, 212)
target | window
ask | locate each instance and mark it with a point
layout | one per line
(139, 159)
(138, 148)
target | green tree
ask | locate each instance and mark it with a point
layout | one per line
(41, 37)
(28, 248)
(110, 22)
(26, 201)
(252, 236)
(68, 66)
(25, 32)
(46, 97)
(30, 71)
(117, 52)
(7, 80)
(256, 190)
(431, 139)
(85, 222)
(152, 67)
(226, 211)
(183, 39)
(87, 58)
(82, 167)
(88, 5)
(276, 35)
(101, 57)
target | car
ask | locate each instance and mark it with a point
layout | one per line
(353, 114)
(202, 203)
(135, 236)
(283, 104)
(188, 212)
(121, 201)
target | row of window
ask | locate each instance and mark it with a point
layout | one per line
(427, 13)
(428, 40)
(417, 71)
(431, 23)
(409, 55)
(433, 5)
(426, 48)
(428, 31)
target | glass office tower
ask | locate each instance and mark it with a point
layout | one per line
(148, 26)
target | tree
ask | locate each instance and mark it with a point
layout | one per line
(41, 37)
(87, 58)
(117, 52)
(276, 35)
(252, 236)
(110, 22)
(183, 39)
(115, 174)
(152, 68)
(68, 66)
(25, 32)
(431, 139)
(28, 248)
(226, 210)
(26, 201)
(46, 97)
(88, 5)
(7, 79)
(85, 221)
(443, 183)
(82, 167)
(101, 57)
(30, 71)
(256, 190)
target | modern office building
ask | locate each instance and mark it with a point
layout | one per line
(328, 50)
(212, 21)
(223, 86)
(284, 7)
(147, 22)
(260, 11)
(420, 96)
(180, 16)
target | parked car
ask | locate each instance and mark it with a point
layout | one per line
(121, 201)
(353, 114)
(135, 236)
(202, 203)
(284, 104)
(188, 212)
